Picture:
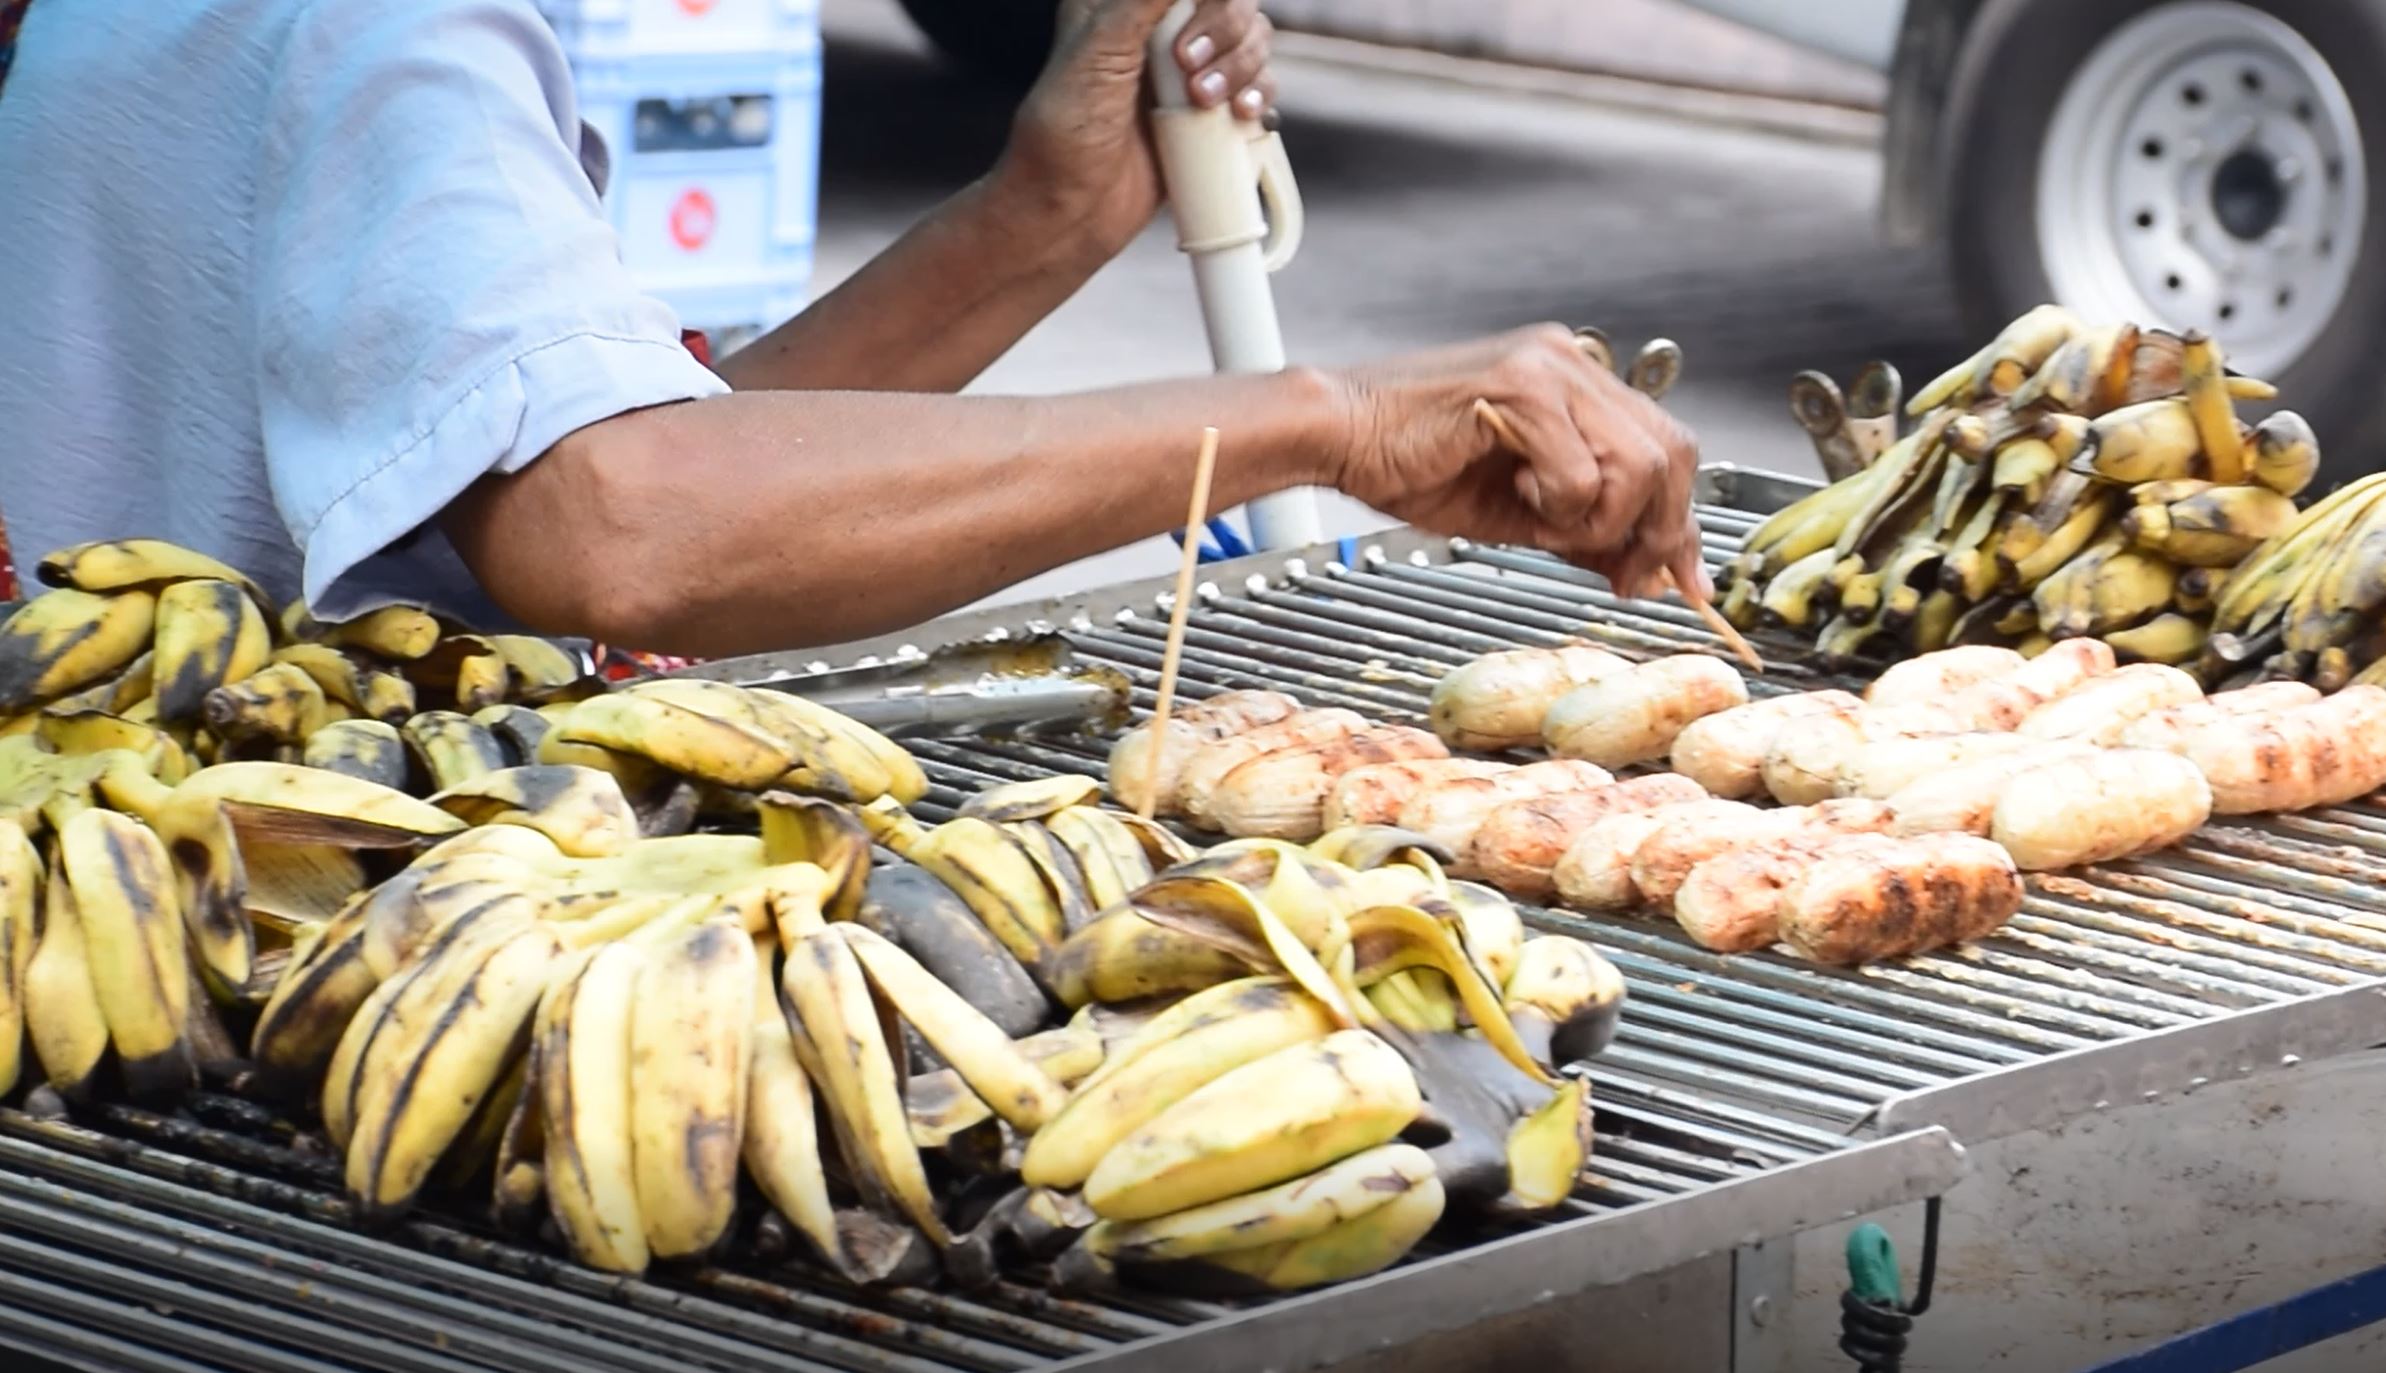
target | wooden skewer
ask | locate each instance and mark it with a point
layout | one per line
(1741, 649)
(1195, 517)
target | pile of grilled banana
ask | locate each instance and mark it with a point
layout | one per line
(2064, 482)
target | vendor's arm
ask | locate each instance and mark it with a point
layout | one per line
(1076, 183)
(826, 516)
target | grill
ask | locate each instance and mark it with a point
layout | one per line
(1746, 1099)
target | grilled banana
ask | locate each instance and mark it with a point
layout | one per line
(713, 748)
(2209, 404)
(2216, 527)
(123, 564)
(582, 1040)
(1564, 999)
(1496, 701)
(451, 750)
(2285, 455)
(2153, 441)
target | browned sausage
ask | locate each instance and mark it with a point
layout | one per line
(1871, 897)
(1665, 858)
(1519, 844)
(2323, 754)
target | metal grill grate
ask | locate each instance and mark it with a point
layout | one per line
(1746, 1097)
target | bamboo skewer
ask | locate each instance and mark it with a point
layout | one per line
(1195, 517)
(1506, 432)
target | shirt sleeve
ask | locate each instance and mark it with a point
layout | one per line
(439, 294)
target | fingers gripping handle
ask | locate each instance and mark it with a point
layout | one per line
(1230, 182)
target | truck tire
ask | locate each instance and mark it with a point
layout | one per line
(1007, 40)
(2187, 163)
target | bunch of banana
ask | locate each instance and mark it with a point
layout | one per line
(1309, 1120)
(2064, 481)
(2309, 603)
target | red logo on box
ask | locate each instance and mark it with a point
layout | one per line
(692, 219)
(698, 8)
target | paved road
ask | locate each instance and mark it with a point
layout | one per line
(1439, 209)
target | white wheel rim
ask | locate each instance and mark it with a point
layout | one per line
(2204, 170)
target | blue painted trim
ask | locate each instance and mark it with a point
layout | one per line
(2257, 1336)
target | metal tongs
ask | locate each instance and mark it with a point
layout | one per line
(988, 687)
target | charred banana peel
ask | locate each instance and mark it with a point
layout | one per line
(2084, 481)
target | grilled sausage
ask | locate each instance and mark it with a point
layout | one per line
(1497, 701)
(1880, 770)
(1596, 872)
(1870, 897)
(2101, 708)
(1805, 763)
(1725, 752)
(1212, 761)
(2099, 806)
(1633, 717)
(1519, 845)
(2003, 702)
(1937, 676)
(1664, 860)
(1282, 795)
(1189, 728)
(1374, 794)
(1732, 903)
(2322, 754)
(2168, 730)
(1450, 813)
(1963, 800)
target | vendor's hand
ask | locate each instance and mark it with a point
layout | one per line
(1080, 153)
(1605, 480)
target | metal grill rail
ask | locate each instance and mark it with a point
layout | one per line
(1748, 1096)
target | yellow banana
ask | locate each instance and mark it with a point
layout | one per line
(1564, 999)
(114, 695)
(1263, 1123)
(2110, 586)
(1352, 1249)
(1191, 1045)
(690, 1025)
(20, 924)
(287, 803)
(1547, 1150)
(2022, 349)
(2066, 434)
(2154, 441)
(542, 670)
(1788, 600)
(317, 995)
(1273, 1216)
(451, 1037)
(2169, 638)
(210, 634)
(64, 639)
(2087, 375)
(279, 703)
(1953, 386)
(62, 1008)
(400, 632)
(123, 885)
(1006, 802)
(580, 1040)
(1001, 880)
(581, 809)
(92, 731)
(2023, 467)
(2213, 528)
(2085, 523)
(707, 747)
(1018, 1091)
(451, 749)
(1107, 852)
(782, 1141)
(482, 680)
(843, 1047)
(368, 750)
(2286, 454)
(518, 730)
(123, 564)
(2208, 403)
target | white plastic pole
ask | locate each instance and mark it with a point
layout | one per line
(1230, 271)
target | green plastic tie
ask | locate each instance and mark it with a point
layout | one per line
(1872, 1266)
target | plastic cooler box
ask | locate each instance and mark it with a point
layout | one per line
(711, 109)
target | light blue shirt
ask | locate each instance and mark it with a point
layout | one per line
(283, 277)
